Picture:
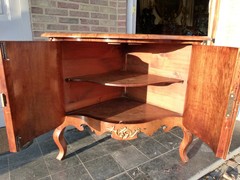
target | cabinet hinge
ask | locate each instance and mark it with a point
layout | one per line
(3, 100)
(3, 51)
(18, 142)
(230, 104)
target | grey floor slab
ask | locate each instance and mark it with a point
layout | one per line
(100, 157)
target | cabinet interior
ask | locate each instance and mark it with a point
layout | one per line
(103, 80)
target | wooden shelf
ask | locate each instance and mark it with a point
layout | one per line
(126, 79)
(126, 111)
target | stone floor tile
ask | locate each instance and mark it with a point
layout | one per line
(91, 152)
(137, 174)
(73, 173)
(4, 174)
(123, 176)
(46, 178)
(103, 167)
(150, 147)
(48, 146)
(232, 163)
(27, 155)
(167, 167)
(129, 157)
(31, 170)
(168, 140)
(111, 145)
(55, 165)
(4, 161)
(45, 137)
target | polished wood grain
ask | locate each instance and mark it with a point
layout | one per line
(81, 59)
(170, 61)
(124, 110)
(209, 86)
(126, 79)
(34, 90)
(150, 38)
(121, 131)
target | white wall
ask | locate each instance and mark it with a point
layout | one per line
(228, 26)
(15, 20)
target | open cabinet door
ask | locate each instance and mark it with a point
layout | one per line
(31, 89)
(213, 96)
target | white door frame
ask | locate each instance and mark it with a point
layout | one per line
(131, 16)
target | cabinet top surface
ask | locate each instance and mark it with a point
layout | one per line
(123, 37)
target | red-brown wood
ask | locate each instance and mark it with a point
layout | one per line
(209, 86)
(121, 131)
(126, 79)
(125, 38)
(33, 86)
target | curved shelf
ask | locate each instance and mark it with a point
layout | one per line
(125, 111)
(126, 79)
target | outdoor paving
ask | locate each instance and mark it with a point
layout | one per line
(101, 157)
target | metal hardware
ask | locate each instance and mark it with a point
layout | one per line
(18, 143)
(230, 104)
(4, 51)
(3, 100)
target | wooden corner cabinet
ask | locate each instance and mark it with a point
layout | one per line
(120, 83)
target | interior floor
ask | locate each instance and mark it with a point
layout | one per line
(101, 157)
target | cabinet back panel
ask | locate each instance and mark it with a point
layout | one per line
(87, 58)
(164, 60)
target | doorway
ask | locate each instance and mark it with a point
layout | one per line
(174, 17)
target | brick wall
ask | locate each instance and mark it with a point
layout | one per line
(97, 16)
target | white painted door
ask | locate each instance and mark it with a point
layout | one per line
(15, 20)
(14, 25)
(227, 33)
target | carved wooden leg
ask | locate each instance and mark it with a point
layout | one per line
(60, 141)
(187, 139)
(59, 131)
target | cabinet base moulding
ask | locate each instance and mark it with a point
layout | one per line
(121, 131)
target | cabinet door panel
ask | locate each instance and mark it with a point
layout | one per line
(32, 82)
(213, 77)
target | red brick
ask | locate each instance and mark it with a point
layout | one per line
(90, 21)
(99, 2)
(68, 5)
(99, 29)
(37, 10)
(113, 17)
(61, 12)
(81, 1)
(122, 17)
(99, 16)
(57, 27)
(79, 28)
(69, 20)
(113, 3)
(122, 11)
(37, 33)
(121, 23)
(79, 13)
(122, 4)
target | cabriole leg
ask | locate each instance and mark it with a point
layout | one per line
(187, 139)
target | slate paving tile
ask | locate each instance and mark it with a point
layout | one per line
(137, 174)
(177, 131)
(121, 177)
(46, 178)
(103, 167)
(111, 145)
(168, 140)
(129, 157)
(162, 168)
(31, 170)
(3, 161)
(74, 173)
(26, 155)
(141, 136)
(45, 137)
(4, 174)
(48, 146)
(91, 152)
(150, 147)
(55, 165)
